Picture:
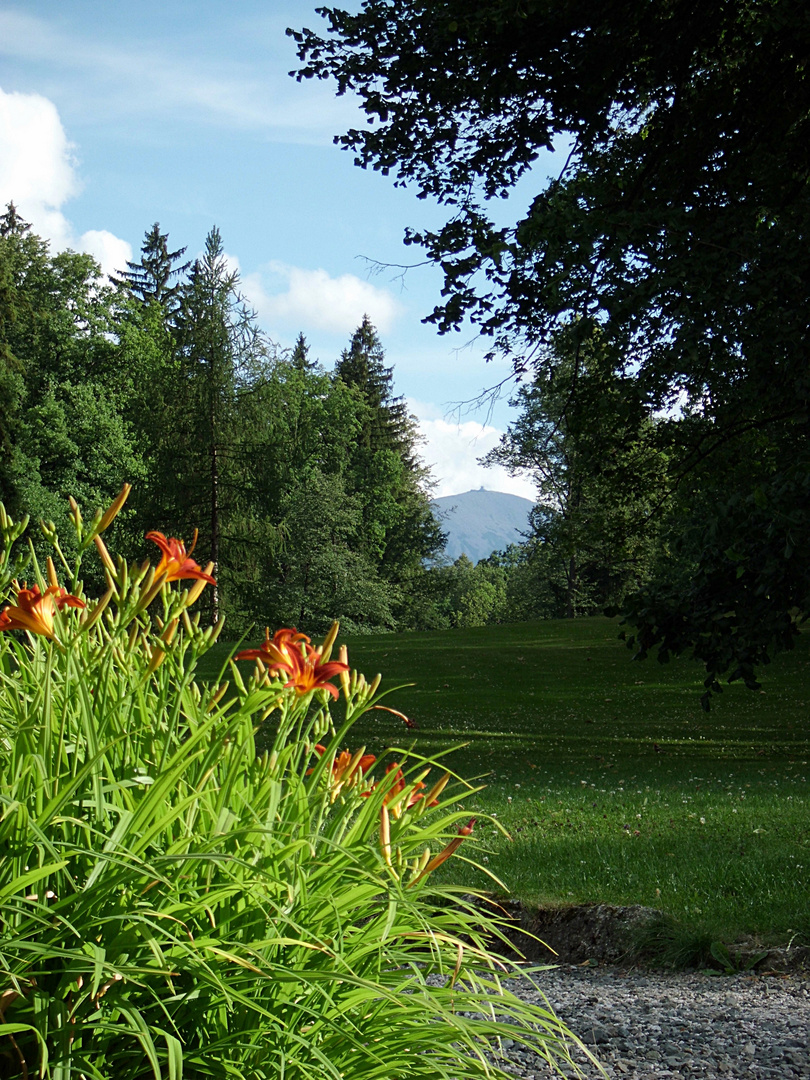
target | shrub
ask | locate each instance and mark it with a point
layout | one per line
(175, 903)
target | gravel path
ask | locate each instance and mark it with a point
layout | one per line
(645, 1025)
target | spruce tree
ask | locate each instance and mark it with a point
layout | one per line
(157, 276)
(299, 357)
(400, 530)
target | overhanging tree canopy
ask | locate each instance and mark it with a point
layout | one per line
(679, 225)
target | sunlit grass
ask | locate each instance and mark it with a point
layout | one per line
(613, 784)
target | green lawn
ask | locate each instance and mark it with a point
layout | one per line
(611, 781)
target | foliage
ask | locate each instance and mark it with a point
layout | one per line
(676, 226)
(590, 445)
(733, 963)
(322, 565)
(466, 594)
(167, 380)
(537, 580)
(716, 602)
(399, 529)
(175, 903)
(302, 426)
(65, 429)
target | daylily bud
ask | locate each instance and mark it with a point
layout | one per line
(150, 592)
(424, 859)
(106, 558)
(158, 656)
(217, 696)
(344, 675)
(198, 586)
(237, 678)
(113, 510)
(385, 835)
(329, 641)
(444, 855)
(437, 789)
(97, 611)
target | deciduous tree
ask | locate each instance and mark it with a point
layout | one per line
(592, 449)
(678, 226)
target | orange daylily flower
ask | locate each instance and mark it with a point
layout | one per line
(275, 651)
(175, 561)
(309, 673)
(347, 767)
(34, 611)
(290, 652)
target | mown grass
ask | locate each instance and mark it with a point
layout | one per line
(611, 782)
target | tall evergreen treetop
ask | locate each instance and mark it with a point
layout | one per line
(151, 278)
(11, 224)
(300, 355)
(399, 526)
(362, 365)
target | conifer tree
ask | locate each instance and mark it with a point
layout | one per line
(400, 530)
(217, 343)
(157, 276)
(300, 355)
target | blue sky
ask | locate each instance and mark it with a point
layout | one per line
(115, 115)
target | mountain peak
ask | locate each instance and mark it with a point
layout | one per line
(479, 521)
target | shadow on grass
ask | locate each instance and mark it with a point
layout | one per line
(613, 784)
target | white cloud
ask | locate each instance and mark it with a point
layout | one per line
(36, 163)
(295, 298)
(452, 448)
(232, 264)
(38, 174)
(110, 251)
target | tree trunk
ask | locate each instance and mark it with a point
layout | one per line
(571, 590)
(214, 523)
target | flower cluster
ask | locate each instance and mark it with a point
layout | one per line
(291, 653)
(394, 796)
(288, 655)
(347, 769)
(35, 610)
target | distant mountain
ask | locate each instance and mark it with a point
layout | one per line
(480, 522)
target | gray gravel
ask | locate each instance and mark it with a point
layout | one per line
(643, 1025)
